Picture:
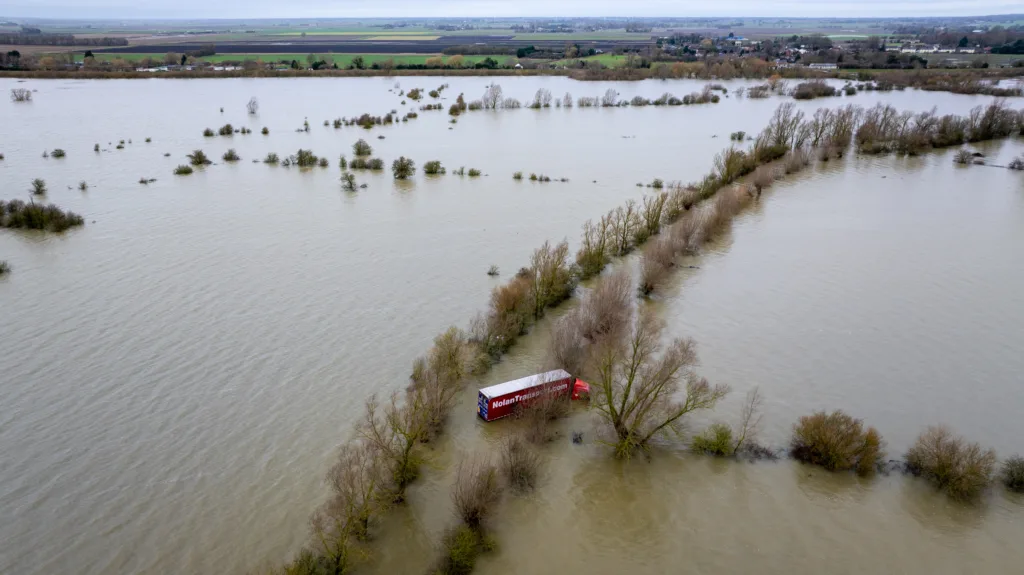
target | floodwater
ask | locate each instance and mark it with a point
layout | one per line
(177, 374)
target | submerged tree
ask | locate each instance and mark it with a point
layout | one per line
(253, 106)
(637, 383)
(402, 168)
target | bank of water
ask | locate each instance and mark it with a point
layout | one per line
(177, 373)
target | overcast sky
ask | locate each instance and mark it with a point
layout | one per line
(477, 8)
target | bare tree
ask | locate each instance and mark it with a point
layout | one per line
(625, 220)
(782, 128)
(567, 100)
(334, 548)
(637, 381)
(475, 491)
(492, 97)
(610, 98)
(439, 377)
(394, 431)
(253, 106)
(520, 463)
(359, 484)
(552, 279)
(603, 312)
(750, 419)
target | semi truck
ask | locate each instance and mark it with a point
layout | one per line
(501, 400)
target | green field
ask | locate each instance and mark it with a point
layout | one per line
(342, 60)
(609, 60)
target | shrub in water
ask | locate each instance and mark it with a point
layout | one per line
(376, 164)
(271, 159)
(83, 186)
(361, 148)
(402, 168)
(265, 131)
(433, 168)
(183, 170)
(231, 156)
(226, 130)
(473, 172)
(58, 153)
(33, 216)
(517, 176)
(836, 442)
(475, 492)
(348, 182)
(21, 95)
(305, 158)
(5, 268)
(38, 186)
(959, 468)
(716, 440)
(962, 156)
(520, 463)
(198, 158)
(460, 548)
(1013, 474)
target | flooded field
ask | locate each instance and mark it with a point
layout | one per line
(177, 373)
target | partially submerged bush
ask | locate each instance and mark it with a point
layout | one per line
(226, 130)
(517, 176)
(961, 469)
(836, 442)
(473, 172)
(33, 216)
(1016, 163)
(519, 463)
(361, 148)
(433, 168)
(198, 158)
(323, 162)
(1013, 474)
(813, 89)
(348, 182)
(475, 491)
(962, 156)
(183, 170)
(208, 133)
(271, 159)
(5, 268)
(460, 547)
(359, 163)
(305, 158)
(265, 131)
(38, 187)
(715, 440)
(58, 153)
(403, 168)
(231, 156)
(83, 186)
(21, 95)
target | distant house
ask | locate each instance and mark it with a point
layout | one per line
(823, 66)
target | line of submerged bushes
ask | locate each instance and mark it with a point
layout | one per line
(33, 216)
(374, 469)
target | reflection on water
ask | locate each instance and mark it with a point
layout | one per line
(177, 374)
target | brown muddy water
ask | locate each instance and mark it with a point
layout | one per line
(176, 374)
